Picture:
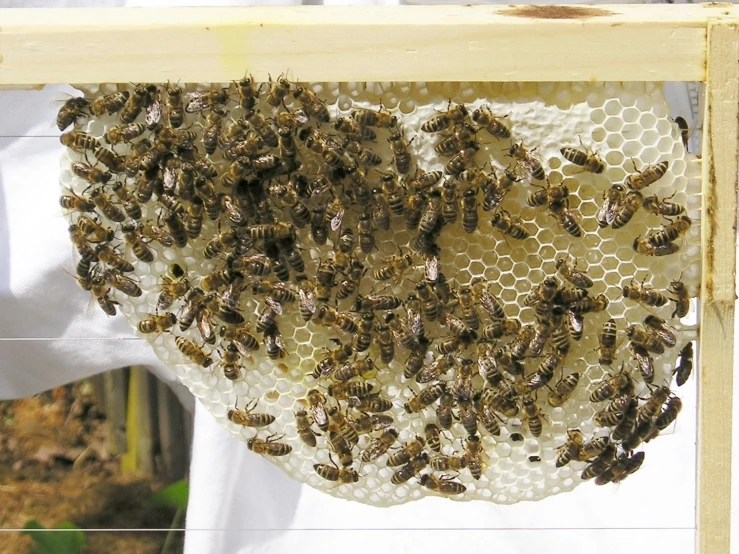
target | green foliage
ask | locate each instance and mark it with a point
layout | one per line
(174, 496)
(62, 540)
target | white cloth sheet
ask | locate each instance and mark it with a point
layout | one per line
(240, 503)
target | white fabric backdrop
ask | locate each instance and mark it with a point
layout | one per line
(49, 335)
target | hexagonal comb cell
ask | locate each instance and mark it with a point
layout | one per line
(380, 331)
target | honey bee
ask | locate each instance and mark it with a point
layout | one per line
(566, 220)
(358, 368)
(569, 272)
(317, 404)
(334, 473)
(448, 463)
(230, 362)
(134, 104)
(341, 447)
(644, 178)
(662, 207)
(462, 137)
(157, 323)
(470, 217)
(532, 416)
(93, 175)
(669, 414)
(174, 286)
(273, 343)
(110, 103)
(371, 404)
(449, 205)
(600, 464)
(526, 159)
(110, 257)
(412, 468)
(380, 211)
(248, 418)
(128, 200)
(495, 192)
(306, 434)
(76, 203)
(461, 160)
(607, 342)
(644, 361)
(473, 456)
(612, 201)
(193, 352)
(214, 99)
(632, 201)
(453, 115)
(205, 324)
(313, 105)
(659, 327)
(563, 390)
(570, 449)
(645, 296)
(546, 196)
(484, 117)
(354, 129)
(641, 337)
(194, 299)
(327, 365)
(425, 398)
(685, 367)
(610, 387)
(93, 231)
(587, 160)
(681, 299)
(269, 447)
(126, 285)
(100, 291)
(646, 248)
(71, 111)
(499, 403)
(110, 159)
(401, 155)
(590, 304)
(364, 156)
(79, 141)
(671, 232)
(502, 222)
(374, 118)
(651, 408)
(385, 342)
(176, 227)
(445, 486)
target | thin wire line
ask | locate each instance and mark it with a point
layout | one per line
(30, 339)
(359, 529)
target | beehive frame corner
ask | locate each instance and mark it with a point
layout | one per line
(450, 43)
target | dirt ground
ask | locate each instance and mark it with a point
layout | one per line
(54, 467)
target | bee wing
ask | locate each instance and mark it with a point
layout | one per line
(153, 114)
(274, 304)
(197, 103)
(431, 268)
(337, 220)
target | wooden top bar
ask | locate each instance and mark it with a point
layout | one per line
(407, 43)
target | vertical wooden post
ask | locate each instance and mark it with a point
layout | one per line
(174, 448)
(720, 175)
(115, 384)
(142, 434)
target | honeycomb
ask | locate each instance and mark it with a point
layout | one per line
(625, 124)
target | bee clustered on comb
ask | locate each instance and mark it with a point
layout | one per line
(406, 301)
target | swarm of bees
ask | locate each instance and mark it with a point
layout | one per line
(267, 214)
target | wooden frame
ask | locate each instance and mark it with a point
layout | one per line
(442, 43)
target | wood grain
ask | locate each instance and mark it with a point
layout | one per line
(720, 178)
(375, 43)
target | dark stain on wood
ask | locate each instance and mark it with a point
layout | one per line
(555, 12)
